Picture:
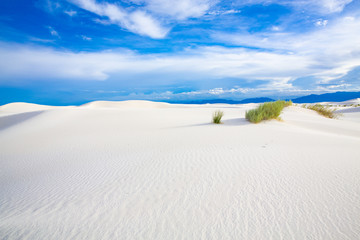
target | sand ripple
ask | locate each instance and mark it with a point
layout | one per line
(95, 173)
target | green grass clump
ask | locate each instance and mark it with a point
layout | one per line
(266, 111)
(217, 115)
(323, 110)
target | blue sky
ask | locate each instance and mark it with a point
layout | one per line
(75, 51)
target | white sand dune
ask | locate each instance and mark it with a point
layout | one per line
(142, 170)
(126, 104)
(23, 107)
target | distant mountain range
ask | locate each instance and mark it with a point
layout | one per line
(326, 97)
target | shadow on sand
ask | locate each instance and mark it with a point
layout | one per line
(236, 122)
(348, 110)
(9, 121)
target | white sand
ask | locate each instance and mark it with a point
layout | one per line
(140, 170)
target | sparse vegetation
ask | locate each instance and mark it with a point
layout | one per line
(326, 111)
(217, 115)
(266, 111)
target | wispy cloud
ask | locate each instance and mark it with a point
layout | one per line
(224, 12)
(321, 22)
(86, 38)
(53, 32)
(151, 18)
(71, 13)
(275, 28)
(40, 40)
(217, 91)
(320, 6)
(48, 5)
(134, 21)
(332, 6)
(180, 9)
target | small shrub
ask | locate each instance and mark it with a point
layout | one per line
(323, 110)
(217, 115)
(266, 111)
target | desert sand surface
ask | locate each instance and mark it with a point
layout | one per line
(145, 170)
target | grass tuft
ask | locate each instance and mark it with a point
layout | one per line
(326, 111)
(266, 111)
(217, 115)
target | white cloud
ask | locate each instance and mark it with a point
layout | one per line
(40, 40)
(102, 21)
(332, 6)
(333, 50)
(320, 6)
(217, 91)
(153, 18)
(86, 38)
(325, 54)
(138, 21)
(53, 32)
(192, 65)
(276, 28)
(150, 17)
(339, 86)
(321, 23)
(224, 12)
(71, 13)
(233, 93)
(49, 5)
(180, 9)
(142, 23)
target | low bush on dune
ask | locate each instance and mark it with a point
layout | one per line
(217, 115)
(266, 111)
(326, 111)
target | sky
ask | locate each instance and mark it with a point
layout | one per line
(65, 52)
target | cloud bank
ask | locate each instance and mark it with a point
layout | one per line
(206, 62)
(326, 54)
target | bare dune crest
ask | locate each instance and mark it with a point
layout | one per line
(24, 107)
(126, 104)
